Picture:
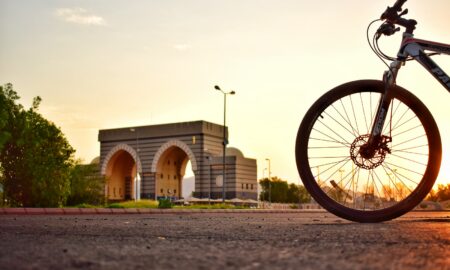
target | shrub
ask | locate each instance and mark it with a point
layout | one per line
(165, 203)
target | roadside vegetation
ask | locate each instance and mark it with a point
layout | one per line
(37, 165)
(278, 190)
(441, 194)
(162, 204)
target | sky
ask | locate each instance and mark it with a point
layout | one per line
(101, 64)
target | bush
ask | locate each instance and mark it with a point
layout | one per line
(165, 203)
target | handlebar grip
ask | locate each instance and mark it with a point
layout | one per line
(398, 5)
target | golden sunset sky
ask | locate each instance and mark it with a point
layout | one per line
(101, 64)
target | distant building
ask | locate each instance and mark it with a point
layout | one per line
(160, 153)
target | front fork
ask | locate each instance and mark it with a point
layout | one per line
(376, 141)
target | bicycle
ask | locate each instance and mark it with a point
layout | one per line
(369, 150)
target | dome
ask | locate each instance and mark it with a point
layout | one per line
(96, 160)
(231, 151)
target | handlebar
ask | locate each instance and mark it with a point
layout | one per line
(393, 15)
(398, 5)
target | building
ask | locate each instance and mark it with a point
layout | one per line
(159, 154)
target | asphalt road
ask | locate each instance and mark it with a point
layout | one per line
(419, 240)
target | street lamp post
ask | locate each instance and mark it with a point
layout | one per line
(270, 180)
(209, 178)
(263, 198)
(225, 141)
(136, 181)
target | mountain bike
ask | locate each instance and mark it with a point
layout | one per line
(369, 150)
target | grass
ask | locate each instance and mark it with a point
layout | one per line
(211, 206)
(133, 204)
(85, 205)
(154, 204)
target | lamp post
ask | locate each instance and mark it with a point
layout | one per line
(209, 178)
(270, 185)
(136, 181)
(225, 141)
(263, 201)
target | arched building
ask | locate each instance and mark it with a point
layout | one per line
(150, 162)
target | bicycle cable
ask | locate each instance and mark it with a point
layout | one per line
(373, 47)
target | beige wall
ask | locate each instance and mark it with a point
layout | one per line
(120, 168)
(170, 171)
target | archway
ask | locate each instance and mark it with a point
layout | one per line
(170, 170)
(120, 170)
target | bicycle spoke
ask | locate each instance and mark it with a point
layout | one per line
(407, 131)
(332, 130)
(410, 140)
(340, 124)
(333, 139)
(404, 123)
(406, 169)
(413, 147)
(354, 114)
(348, 118)
(408, 159)
(409, 152)
(364, 113)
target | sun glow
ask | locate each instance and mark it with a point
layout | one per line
(444, 174)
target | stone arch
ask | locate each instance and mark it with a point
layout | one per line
(115, 149)
(183, 146)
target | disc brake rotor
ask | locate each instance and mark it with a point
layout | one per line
(368, 163)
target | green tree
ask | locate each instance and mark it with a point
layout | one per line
(298, 194)
(35, 157)
(86, 185)
(281, 192)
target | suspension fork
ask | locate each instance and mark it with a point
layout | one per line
(375, 137)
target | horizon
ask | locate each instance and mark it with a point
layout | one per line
(101, 65)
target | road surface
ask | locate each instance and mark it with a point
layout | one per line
(305, 240)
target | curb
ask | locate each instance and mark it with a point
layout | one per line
(144, 211)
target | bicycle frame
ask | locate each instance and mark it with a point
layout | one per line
(410, 47)
(416, 47)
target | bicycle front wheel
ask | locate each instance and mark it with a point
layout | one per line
(389, 184)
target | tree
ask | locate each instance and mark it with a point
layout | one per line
(86, 185)
(298, 194)
(274, 190)
(35, 157)
(281, 192)
(441, 194)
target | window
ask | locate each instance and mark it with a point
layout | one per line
(161, 191)
(251, 187)
(246, 186)
(175, 177)
(114, 192)
(162, 176)
(168, 177)
(242, 185)
(174, 191)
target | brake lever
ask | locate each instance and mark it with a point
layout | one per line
(387, 29)
(404, 12)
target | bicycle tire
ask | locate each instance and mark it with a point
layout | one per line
(364, 204)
